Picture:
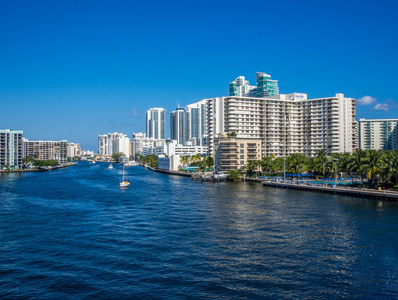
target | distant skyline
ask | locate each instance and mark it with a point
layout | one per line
(73, 70)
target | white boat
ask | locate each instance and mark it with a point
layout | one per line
(124, 183)
(130, 164)
(110, 166)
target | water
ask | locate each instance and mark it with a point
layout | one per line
(73, 233)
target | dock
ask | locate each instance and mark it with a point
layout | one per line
(345, 191)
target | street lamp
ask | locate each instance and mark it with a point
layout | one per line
(284, 171)
(335, 169)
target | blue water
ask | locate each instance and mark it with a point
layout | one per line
(73, 233)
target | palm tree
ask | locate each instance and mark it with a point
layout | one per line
(321, 163)
(297, 162)
(355, 162)
(373, 163)
(208, 161)
(196, 158)
(391, 165)
(184, 160)
(266, 163)
(252, 165)
(277, 164)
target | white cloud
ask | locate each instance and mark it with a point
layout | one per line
(381, 106)
(133, 112)
(366, 100)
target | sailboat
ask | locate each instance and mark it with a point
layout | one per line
(124, 182)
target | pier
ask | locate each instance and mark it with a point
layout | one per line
(345, 191)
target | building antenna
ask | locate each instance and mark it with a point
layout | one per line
(178, 105)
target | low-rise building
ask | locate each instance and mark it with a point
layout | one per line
(172, 147)
(234, 153)
(170, 163)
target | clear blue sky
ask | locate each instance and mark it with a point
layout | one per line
(75, 69)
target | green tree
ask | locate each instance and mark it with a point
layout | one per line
(116, 156)
(232, 134)
(355, 163)
(234, 174)
(321, 163)
(391, 165)
(184, 161)
(373, 164)
(208, 162)
(297, 162)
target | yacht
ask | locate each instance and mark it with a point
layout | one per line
(110, 166)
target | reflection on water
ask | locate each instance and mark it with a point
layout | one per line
(74, 231)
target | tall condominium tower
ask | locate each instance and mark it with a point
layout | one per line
(156, 123)
(179, 120)
(265, 86)
(378, 134)
(240, 87)
(188, 125)
(285, 124)
(10, 147)
(197, 122)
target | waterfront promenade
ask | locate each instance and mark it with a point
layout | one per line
(346, 191)
(386, 195)
(37, 169)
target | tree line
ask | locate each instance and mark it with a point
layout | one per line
(373, 165)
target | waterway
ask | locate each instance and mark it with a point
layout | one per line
(73, 233)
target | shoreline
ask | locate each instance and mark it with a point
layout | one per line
(385, 195)
(37, 170)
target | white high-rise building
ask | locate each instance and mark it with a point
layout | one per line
(144, 146)
(121, 144)
(113, 143)
(378, 134)
(103, 148)
(11, 147)
(188, 125)
(240, 87)
(74, 150)
(179, 125)
(286, 124)
(156, 123)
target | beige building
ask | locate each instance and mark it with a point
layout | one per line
(234, 153)
(45, 150)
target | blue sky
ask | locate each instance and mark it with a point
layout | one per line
(75, 69)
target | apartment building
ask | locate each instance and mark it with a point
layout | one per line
(11, 150)
(378, 134)
(74, 150)
(285, 123)
(188, 124)
(172, 147)
(234, 153)
(156, 123)
(113, 143)
(45, 150)
(146, 146)
(265, 86)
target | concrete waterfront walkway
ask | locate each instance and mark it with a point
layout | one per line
(347, 191)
